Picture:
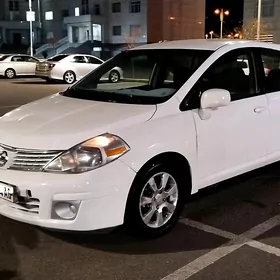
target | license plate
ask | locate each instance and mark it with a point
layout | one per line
(8, 192)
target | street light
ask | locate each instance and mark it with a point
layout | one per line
(259, 19)
(222, 14)
(211, 34)
(31, 27)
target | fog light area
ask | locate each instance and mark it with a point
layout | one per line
(66, 210)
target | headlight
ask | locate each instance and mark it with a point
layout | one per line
(89, 155)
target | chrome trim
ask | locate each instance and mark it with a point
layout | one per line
(28, 159)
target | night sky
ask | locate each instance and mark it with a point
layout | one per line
(234, 19)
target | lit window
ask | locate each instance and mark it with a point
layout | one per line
(49, 15)
(77, 11)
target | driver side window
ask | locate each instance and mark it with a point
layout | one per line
(233, 72)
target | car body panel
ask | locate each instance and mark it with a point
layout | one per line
(233, 140)
(21, 68)
(35, 119)
(80, 69)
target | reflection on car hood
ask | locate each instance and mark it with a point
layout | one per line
(59, 122)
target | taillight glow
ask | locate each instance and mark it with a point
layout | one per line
(51, 65)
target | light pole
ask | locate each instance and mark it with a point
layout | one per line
(259, 19)
(211, 34)
(222, 14)
(31, 27)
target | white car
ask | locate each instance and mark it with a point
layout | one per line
(12, 65)
(99, 155)
(72, 67)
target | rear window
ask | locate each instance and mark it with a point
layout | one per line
(58, 57)
(3, 57)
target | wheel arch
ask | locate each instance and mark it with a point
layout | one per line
(169, 158)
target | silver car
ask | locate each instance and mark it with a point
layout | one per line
(72, 67)
(12, 65)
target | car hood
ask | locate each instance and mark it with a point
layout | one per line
(58, 122)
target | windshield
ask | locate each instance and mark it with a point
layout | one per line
(3, 57)
(57, 57)
(145, 76)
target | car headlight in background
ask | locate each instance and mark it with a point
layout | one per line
(89, 155)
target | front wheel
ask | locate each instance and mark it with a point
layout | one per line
(155, 202)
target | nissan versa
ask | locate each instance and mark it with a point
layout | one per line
(185, 115)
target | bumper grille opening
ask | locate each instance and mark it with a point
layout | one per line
(27, 204)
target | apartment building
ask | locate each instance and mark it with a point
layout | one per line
(116, 24)
(270, 24)
(14, 28)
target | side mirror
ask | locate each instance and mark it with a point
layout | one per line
(213, 99)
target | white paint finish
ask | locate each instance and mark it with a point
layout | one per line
(98, 192)
(209, 229)
(66, 64)
(22, 68)
(215, 98)
(233, 140)
(274, 132)
(55, 130)
(242, 137)
(216, 254)
(202, 262)
(264, 247)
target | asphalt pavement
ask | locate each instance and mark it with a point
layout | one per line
(230, 231)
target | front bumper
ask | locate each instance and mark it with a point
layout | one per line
(101, 195)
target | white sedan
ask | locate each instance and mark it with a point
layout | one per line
(72, 67)
(12, 65)
(99, 155)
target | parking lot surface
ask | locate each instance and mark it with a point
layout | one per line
(230, 231)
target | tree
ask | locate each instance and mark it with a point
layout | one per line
(249, 29)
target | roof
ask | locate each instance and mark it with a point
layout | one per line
(199, 44)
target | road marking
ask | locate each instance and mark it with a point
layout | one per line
(236, 242)
(264, 247)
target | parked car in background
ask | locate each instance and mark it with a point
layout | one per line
(12, 65)
(72, 67)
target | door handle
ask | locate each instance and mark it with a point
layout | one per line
(259, 110)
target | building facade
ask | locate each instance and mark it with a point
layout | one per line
(270, 24)
(14, 27)
(175, 19)
(66, 24)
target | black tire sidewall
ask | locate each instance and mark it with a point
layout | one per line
(133, 221)
(71, 73)
(114, 71)
(10, 69)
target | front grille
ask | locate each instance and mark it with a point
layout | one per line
(26, 160)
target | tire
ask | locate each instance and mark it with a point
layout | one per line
(114, 76)
(69, 77)
(10, 73)
(137, 221)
